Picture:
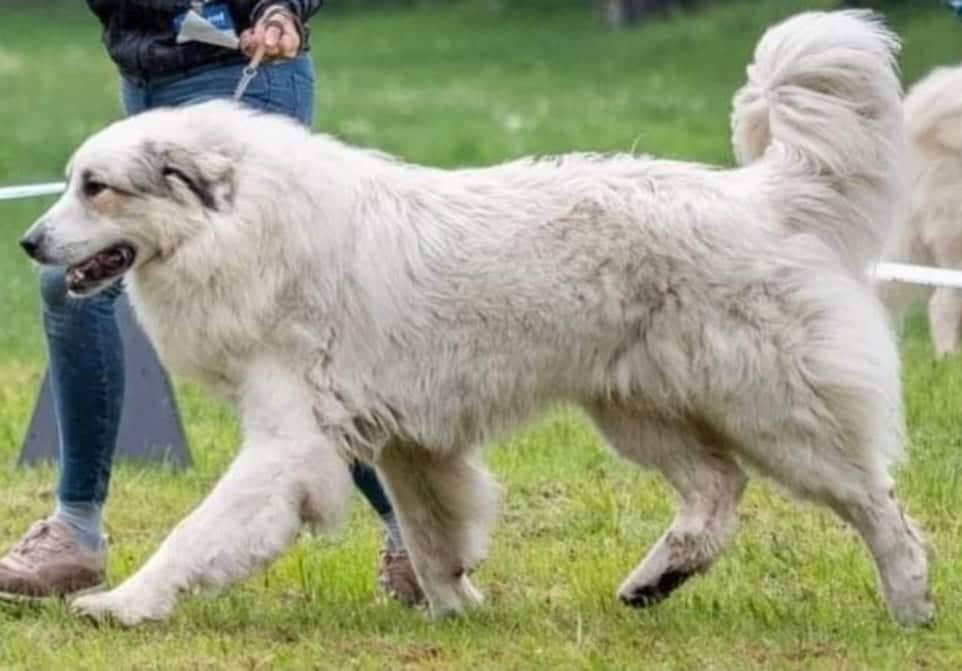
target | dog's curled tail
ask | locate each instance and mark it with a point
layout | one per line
(823, 106)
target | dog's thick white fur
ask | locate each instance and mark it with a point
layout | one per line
(933, 232)
(354, 305)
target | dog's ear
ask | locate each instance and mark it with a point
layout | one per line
(208, 176)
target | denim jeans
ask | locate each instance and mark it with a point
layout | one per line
(84, 344)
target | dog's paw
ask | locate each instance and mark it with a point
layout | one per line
(453, 600)
(918, 612)
(119, 606)
(649, 593)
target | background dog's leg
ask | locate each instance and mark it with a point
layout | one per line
(709, 484)
(945, 319)
(446, 505)
(286, 474)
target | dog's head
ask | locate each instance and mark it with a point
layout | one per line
(135, 193)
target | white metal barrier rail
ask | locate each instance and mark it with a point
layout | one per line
(30, 190)
(933, 277)
(888, 272)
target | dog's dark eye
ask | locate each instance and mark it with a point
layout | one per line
(92, 187)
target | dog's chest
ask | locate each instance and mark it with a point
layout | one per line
(194, 338)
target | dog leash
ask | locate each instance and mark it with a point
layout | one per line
(249, 72)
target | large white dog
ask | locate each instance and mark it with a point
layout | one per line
(354, 305)
(933, 231)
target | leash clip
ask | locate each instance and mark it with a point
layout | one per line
(249, 72)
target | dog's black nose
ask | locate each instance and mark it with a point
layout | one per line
(31, 244)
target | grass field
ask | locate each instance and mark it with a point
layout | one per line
(468, 85)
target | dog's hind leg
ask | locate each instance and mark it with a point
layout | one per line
(446, 505)
(945, 320)
(709, 484)
(862, 496)
(834, 444)
(287, 473)
(898, 548)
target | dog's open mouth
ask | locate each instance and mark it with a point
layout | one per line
(100, 268)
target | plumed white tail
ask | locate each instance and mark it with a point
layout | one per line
(823, 105)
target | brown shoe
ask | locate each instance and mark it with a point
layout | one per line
(48, 562)
(397, 578)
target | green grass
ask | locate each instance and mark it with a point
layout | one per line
(468, 85)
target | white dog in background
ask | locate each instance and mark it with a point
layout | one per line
(350, 304)
(933, 234)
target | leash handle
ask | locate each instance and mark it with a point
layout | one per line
(250, 71)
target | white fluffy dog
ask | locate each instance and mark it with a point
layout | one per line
(352, 305)
(933, 234)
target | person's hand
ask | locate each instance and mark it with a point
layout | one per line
(276, 31)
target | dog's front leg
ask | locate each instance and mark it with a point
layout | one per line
(446, 504)
(286, 472)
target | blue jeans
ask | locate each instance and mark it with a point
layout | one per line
(84, 344)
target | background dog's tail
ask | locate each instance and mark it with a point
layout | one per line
(823, 105)
(933, 109)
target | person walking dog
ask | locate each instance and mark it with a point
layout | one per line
(168, 53)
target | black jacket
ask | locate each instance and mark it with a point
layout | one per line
(139, 34)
